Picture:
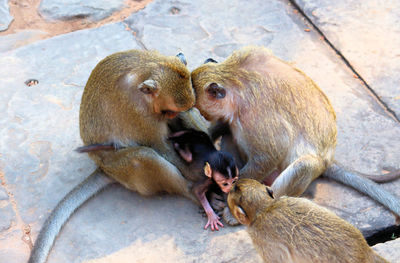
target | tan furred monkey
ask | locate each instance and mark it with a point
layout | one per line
(128, 100)
(281, 122)
(292, 229)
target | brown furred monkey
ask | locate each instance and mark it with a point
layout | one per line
(281, 122)
(128, 100)
(293, 229)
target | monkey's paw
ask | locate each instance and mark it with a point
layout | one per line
(213, 222)
(228, 217)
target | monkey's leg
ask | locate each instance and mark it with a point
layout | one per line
(143, 170)
(295, 179)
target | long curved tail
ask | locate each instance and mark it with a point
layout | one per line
(92, 185)
(365, 186)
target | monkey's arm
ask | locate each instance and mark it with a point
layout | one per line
(200, 189)
(142, 169)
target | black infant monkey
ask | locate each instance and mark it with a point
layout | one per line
(210, 168)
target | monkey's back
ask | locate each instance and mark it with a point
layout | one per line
(296, 230)
(292, 112)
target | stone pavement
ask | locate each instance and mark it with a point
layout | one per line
(358, 70)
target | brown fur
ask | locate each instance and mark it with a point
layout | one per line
(293, 121)
(280, 121)
(289, 229)
(125, 107)
(113, 110)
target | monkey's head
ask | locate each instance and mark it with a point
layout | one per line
(160, 85)
(246, 197)
(215, 98)
(221, 168)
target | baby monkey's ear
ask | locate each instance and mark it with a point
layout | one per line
(207, 170)
(270, 192)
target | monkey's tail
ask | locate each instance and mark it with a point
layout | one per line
(365, 186)
(92, 185)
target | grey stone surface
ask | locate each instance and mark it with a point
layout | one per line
(3, 194)
(69, 9)
(389, 250)
(367, 33)
(12, 41)
(7, 216)
(39, 130)
(39, 124)
(366, 133)
(5, 17)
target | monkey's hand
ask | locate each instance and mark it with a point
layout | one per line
(213, 221)
(200, 191)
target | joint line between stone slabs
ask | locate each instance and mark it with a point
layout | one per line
(390, 112)
(138, 40)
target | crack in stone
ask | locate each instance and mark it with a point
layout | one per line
(372, 92)
(134, 33)
(25, 228)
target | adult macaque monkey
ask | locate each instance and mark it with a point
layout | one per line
(282, 123)
(292, 229)
(128, 100)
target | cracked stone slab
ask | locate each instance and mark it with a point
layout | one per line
(390, 250)
(19, 39)
(366, 133)
(37, 158)
(94, 10)
(5, 17)
(39, 123)
(367, 33)
(7, 215)
(39, 130)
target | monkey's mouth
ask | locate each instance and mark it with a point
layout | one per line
(169, 114)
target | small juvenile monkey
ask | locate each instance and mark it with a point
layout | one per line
(128, 100)
(209, 168)
(293, 229)
(281, 122)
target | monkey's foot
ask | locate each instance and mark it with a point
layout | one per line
(228, 217)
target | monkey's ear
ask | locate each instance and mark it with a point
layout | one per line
(216, 91)
(182, 58)
(149, 87)
(207, 170)
(241, 215)
(210, 60)
(184, 152)
(270, 192)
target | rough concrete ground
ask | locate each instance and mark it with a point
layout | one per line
(39, 123)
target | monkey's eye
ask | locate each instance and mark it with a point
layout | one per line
(148, 87)
(234, 181)
(216, 91)
(146, 90)
(210, 60)
(270, 193)
(225, 184)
